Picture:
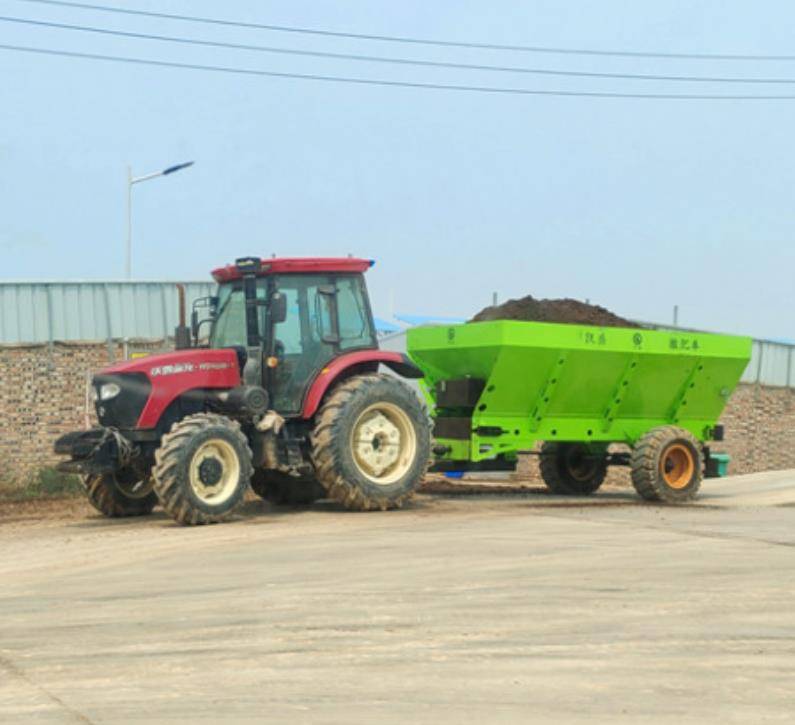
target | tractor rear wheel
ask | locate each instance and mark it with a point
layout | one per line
(371, 442)
(202, 468)
(282, 489)
(573, 469)
(667, 465)
(119, 494)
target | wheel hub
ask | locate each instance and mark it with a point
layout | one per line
(210, 471)
(581, 463)
(133, 484)
(383, 443)
(677, 466)
(214, 471)
(378, 443)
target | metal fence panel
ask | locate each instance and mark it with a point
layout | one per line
(38, 312)
(771, 364)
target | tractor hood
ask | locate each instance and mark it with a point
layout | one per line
(180, 362)
(168, 376)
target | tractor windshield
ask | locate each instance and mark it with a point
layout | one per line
(229, 327)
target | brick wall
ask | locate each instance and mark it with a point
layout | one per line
(42, 395)
(760, 429)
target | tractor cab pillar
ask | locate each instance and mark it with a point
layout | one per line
(249, 267)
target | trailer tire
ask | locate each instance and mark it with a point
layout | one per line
(371, 443)
(115, 494)
(202, 468)
(667, 465)
(282, 489)
(572, 469)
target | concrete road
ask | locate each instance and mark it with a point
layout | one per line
(458, 609)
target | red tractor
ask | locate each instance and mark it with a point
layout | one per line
(280, 391)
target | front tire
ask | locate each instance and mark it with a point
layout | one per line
(120, 494)
(202, 469)
(371, 443)
(572, 469)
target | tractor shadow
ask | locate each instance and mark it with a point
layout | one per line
(428, 499)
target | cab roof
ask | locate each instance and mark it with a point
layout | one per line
(297, 265)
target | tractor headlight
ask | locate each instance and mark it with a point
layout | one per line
(107, 391)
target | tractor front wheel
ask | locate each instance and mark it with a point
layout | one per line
(667, 465)
(282, 489)
(573, 469)
(123, 493)
(202, 468)
(371, 443)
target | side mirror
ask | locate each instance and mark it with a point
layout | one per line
(278, 308)
(194, 324)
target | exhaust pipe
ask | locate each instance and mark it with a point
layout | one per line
(181, 332)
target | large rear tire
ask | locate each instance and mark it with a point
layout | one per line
(667, 465)
(371, 443)
(120, 494)
(573, 469)
(282, 489)
(202, 469)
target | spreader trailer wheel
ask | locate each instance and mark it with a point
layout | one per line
(371, 443)
(202, 469)
(667, 465)
(573, 469)
(120, 494)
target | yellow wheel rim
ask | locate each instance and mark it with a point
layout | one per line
(677, 466)
(383, 443)
(133, 487)
(214, 471)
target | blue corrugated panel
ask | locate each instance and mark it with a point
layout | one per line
(771, 363)
(36, 312)
(39, 312)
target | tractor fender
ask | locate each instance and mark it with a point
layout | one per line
(396, 361)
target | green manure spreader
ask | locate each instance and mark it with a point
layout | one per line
(499, 388)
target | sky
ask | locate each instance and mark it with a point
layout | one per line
(635, 204)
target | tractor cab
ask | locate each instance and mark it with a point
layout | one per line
(289, 318)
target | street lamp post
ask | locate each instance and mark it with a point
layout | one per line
(137, 180)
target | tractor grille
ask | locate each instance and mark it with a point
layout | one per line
(123, 410)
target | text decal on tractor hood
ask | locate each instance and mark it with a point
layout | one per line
(187, 367)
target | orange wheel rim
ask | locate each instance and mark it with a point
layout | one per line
(677, 466)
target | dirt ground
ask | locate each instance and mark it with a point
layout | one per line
(463, 607)
(44, 509)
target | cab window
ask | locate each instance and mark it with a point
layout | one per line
(352, 314)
